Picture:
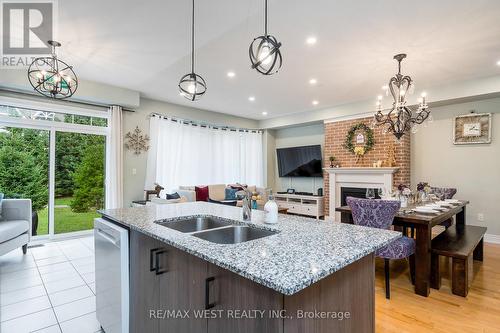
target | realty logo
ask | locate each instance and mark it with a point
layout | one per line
(26, 28)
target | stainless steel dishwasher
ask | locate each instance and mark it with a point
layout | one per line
(111, 276)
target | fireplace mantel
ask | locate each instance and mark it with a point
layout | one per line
(361, 170)
(355, 177)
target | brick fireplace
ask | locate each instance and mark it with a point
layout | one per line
(335, 133)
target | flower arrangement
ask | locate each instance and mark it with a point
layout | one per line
(404, 190)
(404, 193)
(423, 186)
(423, 190)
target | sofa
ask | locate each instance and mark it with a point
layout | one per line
(217, 193)
(15, 224)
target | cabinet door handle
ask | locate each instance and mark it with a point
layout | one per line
(157, 269)
(152, 266)
(208, 305)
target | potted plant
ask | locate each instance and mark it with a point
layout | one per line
(332, 160)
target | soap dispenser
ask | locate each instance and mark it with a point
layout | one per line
(271, 210)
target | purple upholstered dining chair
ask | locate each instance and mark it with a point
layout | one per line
(444, 193)
(380, 214)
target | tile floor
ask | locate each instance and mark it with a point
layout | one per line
(50, 289)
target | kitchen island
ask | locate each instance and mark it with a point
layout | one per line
(304, 276)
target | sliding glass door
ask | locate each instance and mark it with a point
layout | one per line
(79, 180)
(57, 160)
(24, 170)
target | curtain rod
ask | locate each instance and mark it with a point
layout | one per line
(23, 93)
(203, 124)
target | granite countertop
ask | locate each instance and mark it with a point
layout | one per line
(303, 252)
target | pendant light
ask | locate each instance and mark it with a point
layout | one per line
(52, 77)
(192, 86)
(265, 52)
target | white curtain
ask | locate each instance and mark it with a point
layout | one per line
(114, 163)
(182, 154)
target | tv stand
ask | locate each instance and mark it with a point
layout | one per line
(308, 205)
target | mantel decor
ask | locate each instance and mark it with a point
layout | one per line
(473, 128)
(137, 141)
(364, 139)
(401, 118)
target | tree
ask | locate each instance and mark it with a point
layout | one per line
(89, 178)
(70, 148)
(23, 176)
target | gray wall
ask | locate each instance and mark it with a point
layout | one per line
(133, 184)
(473, 169)
(292, 137)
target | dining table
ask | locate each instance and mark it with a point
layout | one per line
(422, 224)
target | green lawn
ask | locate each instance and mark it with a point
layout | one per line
(65, 219)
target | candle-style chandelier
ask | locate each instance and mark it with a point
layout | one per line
(400, 119)
(51, 76)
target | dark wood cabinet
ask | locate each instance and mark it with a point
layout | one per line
(144, 284)
(182, 288)
(238, 297)
(166, 281)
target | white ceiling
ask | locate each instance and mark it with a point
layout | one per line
(145, 45)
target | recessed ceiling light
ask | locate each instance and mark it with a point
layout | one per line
(315, 102)
(498, 63)
(311, 40)
(231, 74)
(264, 113)
(251, 99)
(313, 81)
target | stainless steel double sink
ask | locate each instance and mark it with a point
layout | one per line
(217, 230)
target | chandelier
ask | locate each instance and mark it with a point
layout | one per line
(192, 86)
(52, 77)
(265, 52)
(401, 118)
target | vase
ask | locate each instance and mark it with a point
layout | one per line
(254, 204)
(404, 201)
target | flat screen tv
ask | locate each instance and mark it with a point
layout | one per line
(300, 161)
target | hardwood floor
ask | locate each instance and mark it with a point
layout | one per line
(441, 311)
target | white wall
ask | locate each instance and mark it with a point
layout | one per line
(293, 137)
(473, 169)
(133, 184)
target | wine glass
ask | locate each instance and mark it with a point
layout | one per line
(370, 193)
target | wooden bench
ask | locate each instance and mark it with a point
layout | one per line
(463, 244)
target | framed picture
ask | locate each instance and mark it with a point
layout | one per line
(472, 128)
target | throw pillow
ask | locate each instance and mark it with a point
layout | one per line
(173, 196)
(201, 193)
(230, 193)
(1, 198)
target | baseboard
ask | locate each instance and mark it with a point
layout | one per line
(490, 238)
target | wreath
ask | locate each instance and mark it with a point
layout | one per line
(369, 142)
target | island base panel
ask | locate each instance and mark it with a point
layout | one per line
(350, 290)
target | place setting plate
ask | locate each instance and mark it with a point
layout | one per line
(436, 207)
(425, 210)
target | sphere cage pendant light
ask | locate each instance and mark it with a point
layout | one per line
(400, 119)
(52, 77)
(192, 86)
(265, 52)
